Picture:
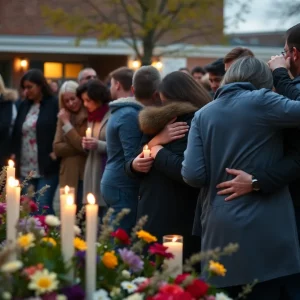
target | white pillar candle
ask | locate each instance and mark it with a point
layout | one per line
(91, 237)
(64, 193)
(11, 170)
(175, 246)
(88, 132)
(146, 151)
(67, 231)
(12, 209)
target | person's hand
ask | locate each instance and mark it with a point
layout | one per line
(64, 116)
(240, 185)
(172, 131)
(141, 164)
(279, 61)
(53, 156)
(155, 150)
(89, 143)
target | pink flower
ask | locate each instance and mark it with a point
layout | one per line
(181, 278)
(33, 206)
(160, 250)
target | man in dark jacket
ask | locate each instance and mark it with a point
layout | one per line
(287, 170)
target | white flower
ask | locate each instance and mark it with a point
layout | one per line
(222, 296)
(115, 292)
(128, 286)
(6, 295)
(43, 282)
(77, 230)
(126, 274)
(136, 296)
(12, 266)
(101, 295)
(42, 232)
(139, 280)
(52, 221)
(61, 297)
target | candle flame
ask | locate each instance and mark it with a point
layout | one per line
(11, 163)
(91, 198)
(11, 182)
(146, 147)
(175, 238)
(70, 200)
(67, 189)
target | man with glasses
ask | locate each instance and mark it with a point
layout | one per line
(86, 74)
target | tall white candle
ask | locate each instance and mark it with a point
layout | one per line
(146, 151)
(12, 208)
(175, 246)
(11, 170)
(91, 237)
(67, 231)
(88, 132)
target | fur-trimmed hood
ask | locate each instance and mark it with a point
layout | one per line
(122, 102)
(9, 95)
(153, 119)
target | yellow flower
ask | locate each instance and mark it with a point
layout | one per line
(80, 244)
(43, 282)
(25, 241)
(146, 236)
(49, 240)
(217, 268)
(110, 260)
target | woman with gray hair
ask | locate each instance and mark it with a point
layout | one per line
(242, 128)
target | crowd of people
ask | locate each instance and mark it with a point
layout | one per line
(224, 164)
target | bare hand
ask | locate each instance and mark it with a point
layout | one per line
(89, 143)
(240, 185)
(279, 61)
(141, 164)
(155, 150)
(64, 115)
(53, 156)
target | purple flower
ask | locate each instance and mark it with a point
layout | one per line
(28, 224)
(2, 208)
(131, 259)
(74, 292)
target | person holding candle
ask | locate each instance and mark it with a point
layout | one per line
(167, 200)
(95, 96)
(33, 136)
(250, 135)
(71, 127)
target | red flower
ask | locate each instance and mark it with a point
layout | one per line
(143, 286)
(122, 236)
(25, 199)
(33, 206)
(42, 218)
(198, 288)
(171, 289)
(45, 207)
(167, 296)
(181, 278)
(160, 250)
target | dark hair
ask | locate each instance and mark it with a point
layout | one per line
(96, 90)
(36, 76)
(236, 53)
(178, 86)
(217, 67)
(198, 69)
(184, 69)
(124, 76)
(293, 37)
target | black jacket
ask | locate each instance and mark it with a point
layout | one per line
(287, 170)
(6, 114)
(45, 132)
(164, 197)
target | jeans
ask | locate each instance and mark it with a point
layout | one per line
(118, 199)
(47, 198)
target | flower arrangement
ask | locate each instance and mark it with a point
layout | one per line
(128, 266)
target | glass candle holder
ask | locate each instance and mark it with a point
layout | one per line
(175, 246)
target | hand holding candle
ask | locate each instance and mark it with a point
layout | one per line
(146, 151)
(88, 132)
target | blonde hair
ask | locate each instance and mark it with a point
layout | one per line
(68, 86)
(2, 86)
(7, 94)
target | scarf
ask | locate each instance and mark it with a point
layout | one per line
(98, 114)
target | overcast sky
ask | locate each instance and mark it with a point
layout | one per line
(260, 18)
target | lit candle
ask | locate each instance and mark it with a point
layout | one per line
(175, 246)
(91, 236)
(67, 231)
(12, 208)
(88, 132)
(146, 151)
(11, 170)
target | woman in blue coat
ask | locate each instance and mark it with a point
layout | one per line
(242, 127)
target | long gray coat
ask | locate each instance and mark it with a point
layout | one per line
(96, 160)
(242, 128)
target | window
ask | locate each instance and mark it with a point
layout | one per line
(72, 70)
(53, 70)
(61, 71)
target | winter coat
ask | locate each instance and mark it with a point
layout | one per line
(242, 129)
